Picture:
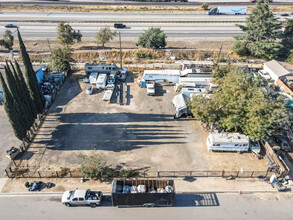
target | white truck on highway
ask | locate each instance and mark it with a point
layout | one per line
(228, 11)
(82, 197)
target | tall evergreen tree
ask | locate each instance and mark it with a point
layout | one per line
(19, 104)
(12, 113)
(32, 82)
(22, 96)
(24, 90)
(261, 33)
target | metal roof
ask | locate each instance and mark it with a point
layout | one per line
(162, 72)
(277, 68)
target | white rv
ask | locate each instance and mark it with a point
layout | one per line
(100, 67)
(227, 142)
(101, 81)
(93, 78)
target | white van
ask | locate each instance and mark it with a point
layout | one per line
(101, 81)
(228, 142)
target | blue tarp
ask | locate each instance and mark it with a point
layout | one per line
(40, 75)
(1, 95)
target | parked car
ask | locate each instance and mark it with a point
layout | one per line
(89, 90)
(10, 26)
(284, 145)
(119, 25)
(284, 14)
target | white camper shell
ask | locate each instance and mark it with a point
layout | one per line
(101, 81)
(228, 142)
(179, 103)
(93, 78)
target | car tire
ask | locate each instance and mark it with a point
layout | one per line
(93, 205)
(67, 204)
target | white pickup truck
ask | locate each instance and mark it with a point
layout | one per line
(82, 197)
(150, 88)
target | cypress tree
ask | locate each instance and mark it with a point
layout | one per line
(22, 97)
(31, 79)
(23, 116)
(24, 90)
(11, 111)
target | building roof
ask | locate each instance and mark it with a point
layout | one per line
(277, 68)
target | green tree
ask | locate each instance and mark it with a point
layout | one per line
(104, 35)
(92, 166)
(152, 38)
(25, 91)
(205, 6)
(287, 38)
(67, 36)
(31, 79)
(241, 105)
(261, 33)
(7, 40)
(24, 116)
(61, 59)
(12, 112)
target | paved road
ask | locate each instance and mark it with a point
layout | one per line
(187, 206)
(44, 31)
(97, 17)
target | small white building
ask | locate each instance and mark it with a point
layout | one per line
(276, 70)
(228, 142)
(171, 76)
(202, 80)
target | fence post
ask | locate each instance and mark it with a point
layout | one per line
(39, 174)
(237, 174)
(70, 173)
(223, 173)
(252, 174)
(57, 174)
(144, 173)
(158, 174)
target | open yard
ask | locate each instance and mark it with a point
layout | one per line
(141, 134)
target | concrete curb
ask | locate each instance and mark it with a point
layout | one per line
(107, 193)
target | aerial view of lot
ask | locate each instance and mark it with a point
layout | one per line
(142, 134)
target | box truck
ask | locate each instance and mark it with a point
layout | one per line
(228, 11)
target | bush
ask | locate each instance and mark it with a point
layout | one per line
(240, 48)
(205, 6)
(290, 57)
(144, 55)
(93, 166)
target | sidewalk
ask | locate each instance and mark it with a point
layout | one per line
(210, 184)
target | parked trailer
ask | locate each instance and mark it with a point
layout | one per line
(228, 11)
(148, 192)
(227, 142)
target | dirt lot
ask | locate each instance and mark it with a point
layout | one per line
(141, 134)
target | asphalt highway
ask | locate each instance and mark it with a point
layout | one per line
(89, 30)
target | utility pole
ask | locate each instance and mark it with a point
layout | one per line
(120, 51)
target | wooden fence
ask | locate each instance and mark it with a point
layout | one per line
(26, 173)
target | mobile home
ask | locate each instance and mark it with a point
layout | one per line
(101, 81)
(227, 142)
(100, 68)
